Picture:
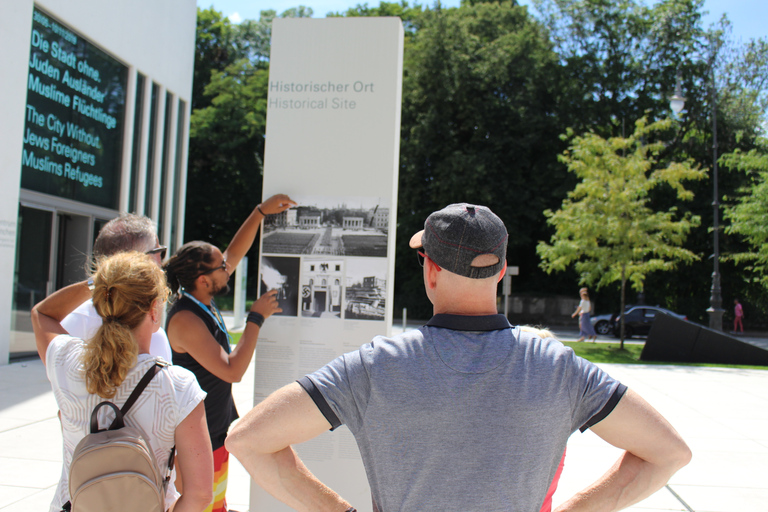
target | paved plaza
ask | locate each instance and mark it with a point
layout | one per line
(722, 413)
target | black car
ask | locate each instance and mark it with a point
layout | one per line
(603, 324)
(639, 319)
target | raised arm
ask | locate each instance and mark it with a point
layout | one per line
(49, 312)
(243, 239)
(654, 452)
(262, 441)
(187, 333)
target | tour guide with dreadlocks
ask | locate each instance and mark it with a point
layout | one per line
(199, 339)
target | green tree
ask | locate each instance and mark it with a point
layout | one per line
(228, 123)
(727, 82)
(410, 15)
(749, 211)
(606, 228)
(480, 125)
(254, 37)
(225, 176)
(214, 50)
(621, 60)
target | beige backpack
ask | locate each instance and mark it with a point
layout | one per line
(114, 469)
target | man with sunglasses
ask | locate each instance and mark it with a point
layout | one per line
(198, 273)
(464, 413)
(125, 233)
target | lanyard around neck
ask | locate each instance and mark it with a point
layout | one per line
(213, 312)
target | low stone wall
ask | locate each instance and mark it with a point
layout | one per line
(544, 311)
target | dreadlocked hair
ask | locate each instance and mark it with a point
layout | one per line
(125, 287)
(185, 266)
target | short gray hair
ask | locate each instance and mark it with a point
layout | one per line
(128, 232)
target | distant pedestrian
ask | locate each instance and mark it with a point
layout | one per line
(738, 316)
(586, 329)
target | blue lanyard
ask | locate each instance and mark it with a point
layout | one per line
(215, 314)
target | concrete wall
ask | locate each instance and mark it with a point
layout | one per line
(543, 311)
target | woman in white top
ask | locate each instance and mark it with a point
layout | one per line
(129, 294)
(586, 329)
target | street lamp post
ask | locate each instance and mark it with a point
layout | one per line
(715, 310)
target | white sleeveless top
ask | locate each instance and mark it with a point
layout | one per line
(168, 398)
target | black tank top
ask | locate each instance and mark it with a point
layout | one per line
(220, 409)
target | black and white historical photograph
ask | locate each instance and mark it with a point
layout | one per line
(333, 226)
(321, 287)
(366, 289)
(281, 274)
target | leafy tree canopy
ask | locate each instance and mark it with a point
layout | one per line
(605, 227)
(748, 214)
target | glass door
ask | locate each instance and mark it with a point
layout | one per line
(32, 274)
(52, 252)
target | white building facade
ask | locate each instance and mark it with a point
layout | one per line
(94, 122)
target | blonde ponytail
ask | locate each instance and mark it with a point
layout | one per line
(126, 285)
(108, 357)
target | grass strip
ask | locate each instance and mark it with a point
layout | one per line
(630, 354)
(610, 353)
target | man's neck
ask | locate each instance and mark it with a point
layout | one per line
(464, 310)
(203, 297)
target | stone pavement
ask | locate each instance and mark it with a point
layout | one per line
(722, 413)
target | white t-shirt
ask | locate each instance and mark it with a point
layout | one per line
(84, 321)
(585, 306)
(168, 398)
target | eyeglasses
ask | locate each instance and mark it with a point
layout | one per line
(422, 256)
(223, 267)
(162, 250)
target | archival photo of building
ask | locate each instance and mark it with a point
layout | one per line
(366, 289)
(334, 226)
(281, 274)
(321, 287)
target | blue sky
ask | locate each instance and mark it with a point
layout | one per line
(748, 16)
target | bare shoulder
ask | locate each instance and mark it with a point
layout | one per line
(185, 328)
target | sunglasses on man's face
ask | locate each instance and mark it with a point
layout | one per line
(162, 251)
(223, 267)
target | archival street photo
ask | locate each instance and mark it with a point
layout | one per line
(332, 226)
(281, 274)
(366, 289)
(321, 285)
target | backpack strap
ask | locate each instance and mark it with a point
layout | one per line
(131, 400)
(135, 395)
(116, 424)
(169, 471)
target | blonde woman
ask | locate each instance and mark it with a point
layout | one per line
(129, 293)
(586, 329)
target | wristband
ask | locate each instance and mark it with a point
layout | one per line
(258, 207)
(90, 284)
(351, 509)
(256, 318)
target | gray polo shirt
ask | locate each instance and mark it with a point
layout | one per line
(465, 413)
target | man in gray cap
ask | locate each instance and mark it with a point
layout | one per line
(465, 413)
